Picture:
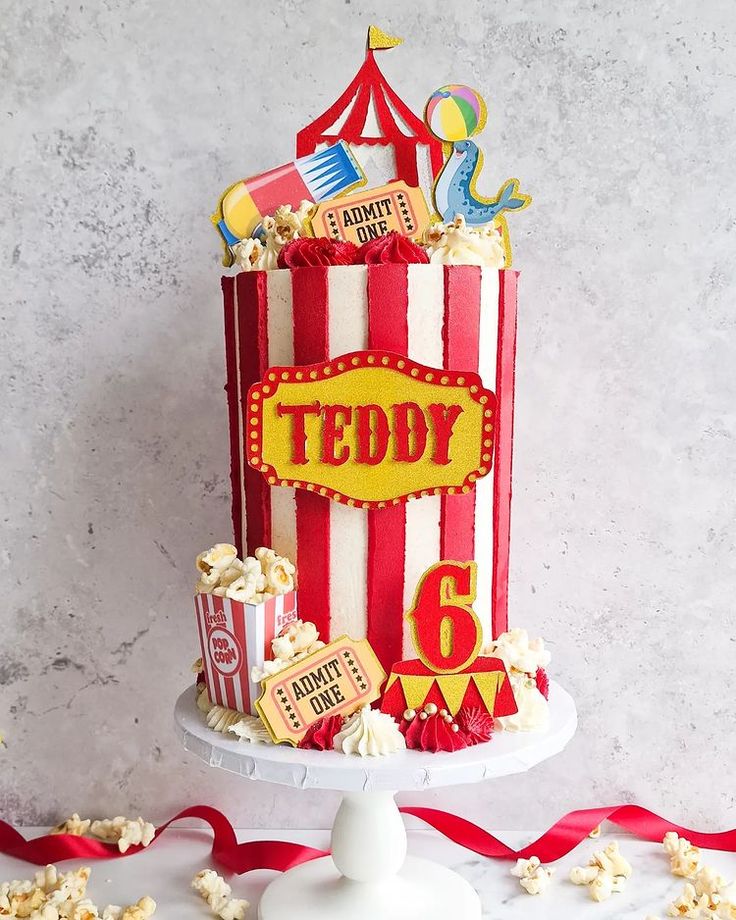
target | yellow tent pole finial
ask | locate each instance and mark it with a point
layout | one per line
(378, 39)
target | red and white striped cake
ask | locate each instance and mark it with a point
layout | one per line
(357, 569)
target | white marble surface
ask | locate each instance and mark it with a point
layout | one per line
(165, 872)
(120, 124)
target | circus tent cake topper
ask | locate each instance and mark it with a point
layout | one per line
(388, 138)
(369, 137)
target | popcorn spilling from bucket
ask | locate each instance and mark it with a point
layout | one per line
(295, 643)
(250, 581)
(242, 607)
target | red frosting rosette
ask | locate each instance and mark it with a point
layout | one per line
(542, 681)
(307, 250)
(476, 724)
(433, 731)
(320, 735)
(393, 248)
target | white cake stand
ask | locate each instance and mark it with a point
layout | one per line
(369, 876)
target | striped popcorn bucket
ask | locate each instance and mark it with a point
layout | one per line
(234, 637)
(358, 568)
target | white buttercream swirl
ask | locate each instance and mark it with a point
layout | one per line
(252, 729)
(220, 718)
(457, 244)
(369, 733)
(533, 712)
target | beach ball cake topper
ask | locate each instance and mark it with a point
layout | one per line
(455, 113)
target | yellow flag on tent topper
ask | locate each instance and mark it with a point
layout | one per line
(378, 40)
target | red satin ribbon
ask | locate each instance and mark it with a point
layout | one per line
(237, 857)
(281, 855)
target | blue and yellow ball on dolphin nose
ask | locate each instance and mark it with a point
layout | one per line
(454, 113)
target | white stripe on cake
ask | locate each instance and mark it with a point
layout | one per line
(281, 353)
(280, 319)
(241, 473)
(488, 352)
(348, 331)
(426, 318)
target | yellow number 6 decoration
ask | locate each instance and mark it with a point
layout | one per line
(446, 631)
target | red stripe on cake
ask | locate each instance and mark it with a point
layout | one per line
(504, 432)
(460, 339)
(388, 329)
(252, 320)
(310, 307)
(231, 389)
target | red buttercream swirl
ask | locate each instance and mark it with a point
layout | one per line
(392, 248)
(476, 724)
(433, 734)
(542, 681)
(320, 735)
(307, 250)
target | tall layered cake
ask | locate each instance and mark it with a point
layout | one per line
(362, 606)
(360, 555)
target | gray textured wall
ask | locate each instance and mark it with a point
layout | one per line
(121, 122)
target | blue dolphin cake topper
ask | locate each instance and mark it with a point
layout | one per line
(454, 113)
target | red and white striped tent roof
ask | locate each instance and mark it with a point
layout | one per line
(370, 114)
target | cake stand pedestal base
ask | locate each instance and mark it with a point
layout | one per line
(368, 876)
(422, 890)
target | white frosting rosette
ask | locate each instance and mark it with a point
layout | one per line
(458, 244)
(533, 712)
(251, 729)
(369, 733)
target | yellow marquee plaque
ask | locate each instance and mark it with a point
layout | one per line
(370, 429)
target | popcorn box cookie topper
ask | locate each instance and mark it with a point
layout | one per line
(365, 216)
(371, 428)
(337, 679)
(234, 637)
